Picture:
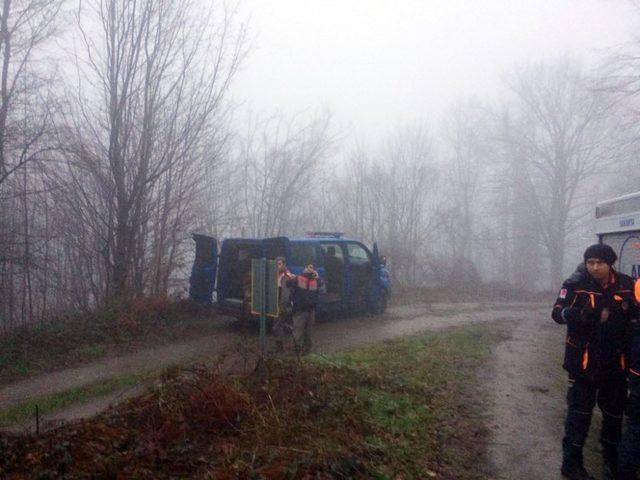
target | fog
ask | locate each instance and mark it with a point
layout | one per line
(470, 141)
(376, 64)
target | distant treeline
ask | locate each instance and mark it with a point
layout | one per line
(117, 141)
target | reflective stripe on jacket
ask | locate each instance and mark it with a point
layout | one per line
(599, 331)
(308, 283)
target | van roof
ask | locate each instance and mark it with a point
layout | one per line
(620, 205)
(305, 238)
(321, 239)
(621, 214)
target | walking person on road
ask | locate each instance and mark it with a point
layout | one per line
(597, 306)
(306, 293)
(280, 324)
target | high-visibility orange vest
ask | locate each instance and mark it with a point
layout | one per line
(308, 283)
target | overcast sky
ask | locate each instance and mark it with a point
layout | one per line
(377, 64)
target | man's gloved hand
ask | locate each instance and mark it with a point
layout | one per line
(571, 315)
(619, 308)
(579, 316)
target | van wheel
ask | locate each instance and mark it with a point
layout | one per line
(380, 305)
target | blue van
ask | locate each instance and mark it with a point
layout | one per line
(355, 277)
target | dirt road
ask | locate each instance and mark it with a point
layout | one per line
(329, 336)
(526, 386)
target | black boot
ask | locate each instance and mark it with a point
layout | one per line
(609, 472)
(610, 463)
(573, 462)
(575, 471)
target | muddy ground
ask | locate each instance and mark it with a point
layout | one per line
(523, 387)
(526, 388)
(241, 344)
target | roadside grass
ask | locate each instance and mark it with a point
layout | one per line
(402, 409)
(22, 412)
(427, 394)
(70, 341)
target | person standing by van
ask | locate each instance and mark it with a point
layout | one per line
(597, 306)
(306, 293)
(629, 450)
(284, 302)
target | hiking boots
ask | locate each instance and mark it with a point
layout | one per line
(575, 472)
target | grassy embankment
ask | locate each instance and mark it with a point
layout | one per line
(22, 412)
(406, 408)
(67, 342)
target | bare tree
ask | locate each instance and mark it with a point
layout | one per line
(153, 77)
(389, 197)
(619, 77)
(280, 162)
(466, 146)
(25, 25)
(26, 124)
(559, 133)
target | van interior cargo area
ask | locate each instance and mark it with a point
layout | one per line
(239, 271)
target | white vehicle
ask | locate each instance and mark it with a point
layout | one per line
(618, 225)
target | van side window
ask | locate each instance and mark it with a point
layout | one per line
(333, 250)
(303, 253)
(333, 271)
(357, 255)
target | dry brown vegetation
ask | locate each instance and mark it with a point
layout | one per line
(348, 416)
(71, 340)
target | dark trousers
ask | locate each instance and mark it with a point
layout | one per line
(610, 393)
(303, 322)
(629, 451)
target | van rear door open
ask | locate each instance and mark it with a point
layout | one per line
(234, 275)
(203, 273)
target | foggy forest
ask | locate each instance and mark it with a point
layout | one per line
(119, 139)
(320, 239)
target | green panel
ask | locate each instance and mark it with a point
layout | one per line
(257, 286)
(272, 288)
(267, 281)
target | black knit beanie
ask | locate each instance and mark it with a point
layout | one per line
(602, 251)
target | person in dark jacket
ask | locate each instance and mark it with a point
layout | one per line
(597, 306)
(629, 450)
(306, 293)
(280, 323)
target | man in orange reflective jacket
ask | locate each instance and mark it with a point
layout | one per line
(597, 306)
(306, 293)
